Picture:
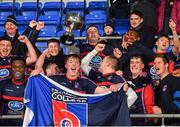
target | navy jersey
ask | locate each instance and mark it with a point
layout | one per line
(167, 94)
(81, 84)
(105, 80)
(12, 94)
(5, 67)
(96, 60)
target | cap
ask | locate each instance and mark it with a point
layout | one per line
(12, 19)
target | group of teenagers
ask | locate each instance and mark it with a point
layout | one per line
(138, 64)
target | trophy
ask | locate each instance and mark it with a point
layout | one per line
(73, 22)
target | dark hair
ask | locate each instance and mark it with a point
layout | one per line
(163, 35)
(138, 13)
(53, 40)
(73, 56)
(136, 56)
(5, 38)
(18, 58)
(164, 57)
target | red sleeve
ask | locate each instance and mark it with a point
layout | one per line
(148, 99)
(171, 66)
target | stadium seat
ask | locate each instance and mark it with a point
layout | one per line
(24, 20)
(2, 19)
(53, 8)
(29, 8)
(90, 18)
(2, 28)
(98, 12)
(75, 7)
(41, 46)
(97, 5)
(48, 31)
(60, 33)
(1, 33)
(49, 19)
(6, 8)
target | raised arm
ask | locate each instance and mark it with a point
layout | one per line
(172, 26)
(32, 56)
(41, 59)
(86, 60)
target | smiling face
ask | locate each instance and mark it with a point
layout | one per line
(72, 65)
(160, 66)
(10, 28)
(93, 35)
(5, 48)
(18, 70)
(162, 44)
(131, 36)
(53, 48)
(135, 20)
(136, 66)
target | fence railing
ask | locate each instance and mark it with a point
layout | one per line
(161, 116)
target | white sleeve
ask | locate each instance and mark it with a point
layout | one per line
(131, 96)
(86, 60)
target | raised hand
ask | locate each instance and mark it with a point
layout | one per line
(117, 53)
(23, 39)
(40, 25)
(100, 47)
(32, 23)
(172, 25)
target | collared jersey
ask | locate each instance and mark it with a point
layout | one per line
(81, 84)
(12, 94)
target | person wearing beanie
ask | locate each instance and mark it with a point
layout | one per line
(109, 31)
(108, 28)
(11, 32)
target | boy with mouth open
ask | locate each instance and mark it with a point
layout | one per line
(167, 92)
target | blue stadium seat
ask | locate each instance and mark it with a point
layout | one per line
(97, 5)
(60, 33)
(49, 19)
(90, 18)
(53, 8)
(7, 7)
(121, 29)
(50, 6)
(24, 20)
(21, 28)
(41, 46)
(2, 19)
(1, 33)
(29, 8)
(75, 7)
(98, 12)
(6, 13)
(2, 28)
(48, 31)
